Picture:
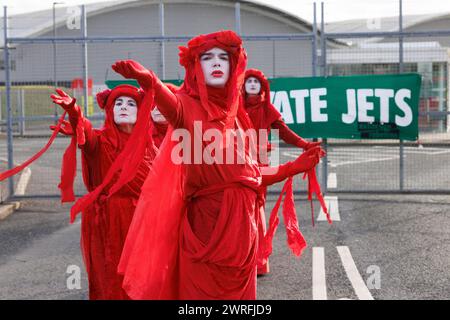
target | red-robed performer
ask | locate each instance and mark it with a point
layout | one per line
(160, 124)
(265, 116)
(105, 222)
(194, 233)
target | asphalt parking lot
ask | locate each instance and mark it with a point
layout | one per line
(380, 246)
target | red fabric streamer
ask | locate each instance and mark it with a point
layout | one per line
(295, 239)
(189, 239)
(8, 173)
(106, 220)
(127, 162)
(314, 187)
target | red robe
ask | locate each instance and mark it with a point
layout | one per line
(194, 232)
(205, 247)
(105, 224)
(219, 231)
(106, 215)
(265, 116)
(106, 220)
(159, 132)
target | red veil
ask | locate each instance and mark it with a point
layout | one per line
(265, 117)
(150, 259)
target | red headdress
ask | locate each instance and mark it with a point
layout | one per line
(106, 100)
(264, 94)
(194, 83)
(131, 153)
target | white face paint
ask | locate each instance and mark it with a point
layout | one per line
(216, 67)
(125, 110)
(252, 85)
(157, 116)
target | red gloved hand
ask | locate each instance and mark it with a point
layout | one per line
(131, 69)
(66, 102)
(65, 129)
(306, 161)
(310, 145)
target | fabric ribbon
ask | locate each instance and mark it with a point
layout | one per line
(69, 162)
(126, 163)
(8, 173)
(295, 239)
(314, 187)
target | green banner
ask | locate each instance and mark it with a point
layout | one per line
(352, 107)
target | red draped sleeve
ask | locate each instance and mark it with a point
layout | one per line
(287, 135)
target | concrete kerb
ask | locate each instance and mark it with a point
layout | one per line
(8, 207)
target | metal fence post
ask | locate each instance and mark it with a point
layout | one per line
(19, 111)
(324, 73)
(163, 44)
(21, 101)
(237, 17)
(1, 116)
(274, 61)
(85, 59)
(314, 42)
(55, 54)
(401, 70)
(8, 99)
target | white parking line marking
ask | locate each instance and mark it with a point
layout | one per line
(23, 182)
(353, 275)
(365, 161)
(319, 285)
(418, 150)
(333, 209)
(332, 181)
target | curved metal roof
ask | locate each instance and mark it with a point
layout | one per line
(40, 22)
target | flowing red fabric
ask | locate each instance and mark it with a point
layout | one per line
(149, 260)
(295, 239)
(194, 82)
(160, 128)
(264, 116)
(197, 241)
(69, 162)
(127, 162)
(68, 172)
(260, 110)
(159, 133)
(9, 173)
(314, 187)
(105, 220)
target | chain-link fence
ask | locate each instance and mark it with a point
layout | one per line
(75, 53)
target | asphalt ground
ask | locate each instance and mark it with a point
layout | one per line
(399, 245)
(386, 246)
(357, 168)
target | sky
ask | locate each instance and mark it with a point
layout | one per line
(335, 10)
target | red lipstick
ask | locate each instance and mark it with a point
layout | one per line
(217, 74)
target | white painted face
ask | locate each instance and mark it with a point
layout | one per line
(125, 110)
(252, 85)
(216, 67)
(157, 116)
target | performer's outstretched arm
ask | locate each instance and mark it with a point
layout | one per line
(305, 162)
(290, 137)
(81, 126)
(167, 102)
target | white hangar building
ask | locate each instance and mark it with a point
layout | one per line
(34, 63)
